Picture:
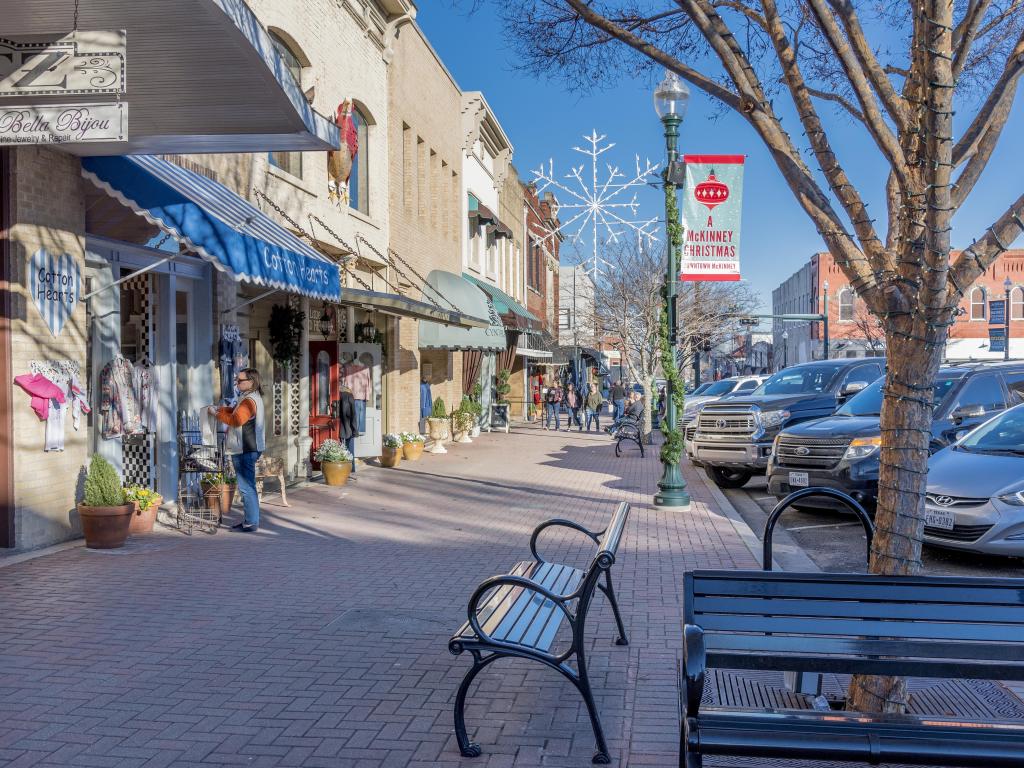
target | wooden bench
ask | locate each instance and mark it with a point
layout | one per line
(518, 616)
(270, 466)
(934, 627)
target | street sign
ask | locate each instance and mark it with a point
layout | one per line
(996, 339)
(749, 321)
(997, 312)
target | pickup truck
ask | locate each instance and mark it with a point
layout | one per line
(733, 438)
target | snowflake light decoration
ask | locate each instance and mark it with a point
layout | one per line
(604, 207)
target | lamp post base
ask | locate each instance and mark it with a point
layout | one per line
(672, 490)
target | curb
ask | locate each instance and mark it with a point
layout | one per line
(32, 554)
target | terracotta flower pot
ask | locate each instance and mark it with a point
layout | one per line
(412, 451)
(218, 498)
(336, 472)
(105, 527)
(142, 522)
(390, 457)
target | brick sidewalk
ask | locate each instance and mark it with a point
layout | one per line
(322, 640)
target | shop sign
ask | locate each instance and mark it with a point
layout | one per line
(712, 203)
(62, 123)
(996, 339)
(997, 312)
(83, 62)
(55, 282)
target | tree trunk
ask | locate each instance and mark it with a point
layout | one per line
(899, 521)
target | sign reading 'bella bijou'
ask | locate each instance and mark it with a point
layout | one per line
(62, 123)
(711, 217)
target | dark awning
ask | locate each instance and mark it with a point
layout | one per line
(449, 289)
(514, 316)
(501, 230)
(401, 306)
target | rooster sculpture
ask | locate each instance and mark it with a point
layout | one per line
(339, 162)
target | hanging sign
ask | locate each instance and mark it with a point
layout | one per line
(997, 312)
(83, 62)
(712, 203)
(62, 123)
(996, 339)
(55, 283)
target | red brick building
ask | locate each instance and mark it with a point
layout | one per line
(853, 332)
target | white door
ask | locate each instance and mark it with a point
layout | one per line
(359, 370)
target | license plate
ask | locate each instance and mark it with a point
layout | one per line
(798, 479)
(939, 518)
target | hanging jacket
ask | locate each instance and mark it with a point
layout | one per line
(41, 390)
(347, 424)
(426, 400)
(118, 404)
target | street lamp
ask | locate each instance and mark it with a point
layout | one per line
(1007, 287)
(670, 100)
(785, 349)
(824, 314)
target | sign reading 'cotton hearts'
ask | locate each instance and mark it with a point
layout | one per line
(55, 284)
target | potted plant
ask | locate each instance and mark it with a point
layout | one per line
(463, 419)
(412, 446)
(391, 453)
(473, 405)
(531, 411)
(218, 492)
(146, 502)
(335, 461)
(437, 426)
(106, 514)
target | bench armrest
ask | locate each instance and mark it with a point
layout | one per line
(694, 664)
(516, 581)
(557, 522)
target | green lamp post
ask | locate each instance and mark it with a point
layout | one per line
(670, 101)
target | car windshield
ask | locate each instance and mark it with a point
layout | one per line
(1003, 434)
(719, 388)
(868, 402)
(702, 388)
(799, 380)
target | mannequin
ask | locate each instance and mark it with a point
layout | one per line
(358, 379)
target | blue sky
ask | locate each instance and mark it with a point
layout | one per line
(544, 120)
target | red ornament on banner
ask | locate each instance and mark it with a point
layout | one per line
(711, 192)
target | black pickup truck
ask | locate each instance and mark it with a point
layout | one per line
(734, 437)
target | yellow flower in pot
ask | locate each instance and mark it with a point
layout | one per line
(335, 461)
(412, 446)
(146, 502)
(105, 513)
(391, 453)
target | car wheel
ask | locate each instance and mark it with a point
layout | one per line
(728, 478)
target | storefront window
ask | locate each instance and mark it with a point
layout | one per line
(323, 383)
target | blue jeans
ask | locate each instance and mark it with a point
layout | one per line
(573, 416)
(350, 445)
(618, 408)
(552, 411)
(359, 406)
(594, 416)
(245, 471)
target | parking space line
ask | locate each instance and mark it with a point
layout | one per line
(822, 525)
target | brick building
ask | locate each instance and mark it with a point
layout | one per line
(853, 332)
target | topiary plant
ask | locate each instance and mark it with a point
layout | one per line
(503, 387)
(439, 410)
(102, 485)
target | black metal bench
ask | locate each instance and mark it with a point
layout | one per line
(518, 616)
(934, 627)
(628, 428)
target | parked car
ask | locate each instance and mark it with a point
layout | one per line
(709, 393)
(733, 438)
(975, 497)
(841, 451)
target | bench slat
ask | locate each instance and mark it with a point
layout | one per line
(536, 609)
(813, 628)
(541, 633)
(703, 604)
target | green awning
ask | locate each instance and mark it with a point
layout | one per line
(514, 315)
(450, 290)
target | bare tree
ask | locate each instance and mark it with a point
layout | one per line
(868, 328)
(900, 90)
(708, 313)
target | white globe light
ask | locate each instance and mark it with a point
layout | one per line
(671, 96)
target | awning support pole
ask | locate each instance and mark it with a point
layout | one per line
(247, 303)
(136, 273)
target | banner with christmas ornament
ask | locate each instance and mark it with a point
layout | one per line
(712, 202)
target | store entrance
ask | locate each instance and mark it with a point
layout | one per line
(323, 394)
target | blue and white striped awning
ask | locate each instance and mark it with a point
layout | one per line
(211, 220)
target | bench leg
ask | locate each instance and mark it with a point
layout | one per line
(610, 594)
(601, 757)
(467, 747)
(284, 493)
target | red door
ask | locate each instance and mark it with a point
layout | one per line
(323, 393)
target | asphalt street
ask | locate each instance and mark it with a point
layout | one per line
(835, 541)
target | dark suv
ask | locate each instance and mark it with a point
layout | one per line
(733, 439)
(841, 451)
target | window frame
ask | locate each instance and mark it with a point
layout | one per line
(1017, 304)
(287, 162)
(847, 299)
(359, 199)
(983, 304)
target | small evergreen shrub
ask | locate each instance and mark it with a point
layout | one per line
(102, 485)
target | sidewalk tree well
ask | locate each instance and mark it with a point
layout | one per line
(896, 73)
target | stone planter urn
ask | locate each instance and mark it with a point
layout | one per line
(390, 457)
(412, 451)
(336, 472)
(438, 431)
(142, 522)
(475, 431)
(105, 527)
(461, 425)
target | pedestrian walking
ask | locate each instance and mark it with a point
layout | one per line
(618, 400)
(553, 407)
(593, 408)
(246, 440)
(573, 403)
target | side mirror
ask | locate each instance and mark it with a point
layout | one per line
(967, 412)
(852, 388)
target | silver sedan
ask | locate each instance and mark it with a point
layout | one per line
(975, 495)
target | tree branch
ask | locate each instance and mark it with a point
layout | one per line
(979, 256)
(739, 7)
(844, 103)
(966, 32)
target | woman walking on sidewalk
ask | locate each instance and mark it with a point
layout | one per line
(572, 408)
(246, 440)
(593, 406)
